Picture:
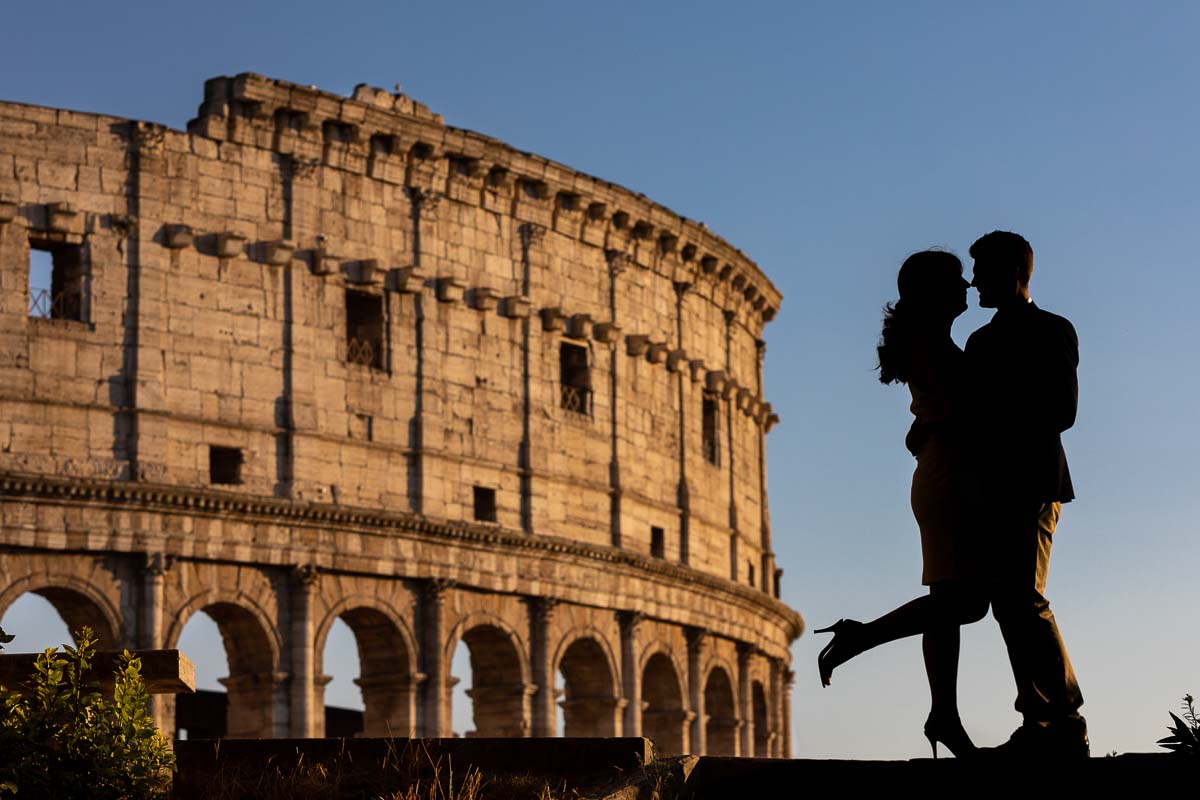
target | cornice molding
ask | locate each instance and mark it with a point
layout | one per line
(165, 498)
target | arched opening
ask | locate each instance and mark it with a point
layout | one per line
(35, 625)
(589, 704)
(385, 690)
(663, 715)
(51, 616)
(762, 725)
(248, 710)
(343, 699)
(499, 694)
(720, 729)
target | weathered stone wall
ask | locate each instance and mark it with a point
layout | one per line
(219, 301)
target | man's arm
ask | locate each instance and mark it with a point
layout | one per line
(1060, 350)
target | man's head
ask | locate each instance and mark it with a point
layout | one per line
(1003, 266)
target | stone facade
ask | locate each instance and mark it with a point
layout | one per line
(324, 357)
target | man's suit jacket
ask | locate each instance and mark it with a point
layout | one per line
(1023, 370)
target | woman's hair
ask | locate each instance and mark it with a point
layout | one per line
(899, 319)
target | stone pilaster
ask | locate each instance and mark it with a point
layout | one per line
(541, 614)
(789, 679)
(151, 632)
(683, 494)
(729, 410)
(696, 645)
(745, 700)
(767, 570)
(436, 688)
(145, 297)
(252, 704)
(303, 653)
(617, 262)
(631, 678)
(532, 237)
(774, 709)
(391, 704)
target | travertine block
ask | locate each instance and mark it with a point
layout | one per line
(450, 290)
(229, 244)
(515, 307)
(579, 326)
(676, 360)
(278, 252)
(407, 280)
(484, 298)
(553, 319)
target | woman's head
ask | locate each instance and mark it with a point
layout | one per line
(932, 285)
(932, 293)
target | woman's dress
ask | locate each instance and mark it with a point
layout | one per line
(945, 493)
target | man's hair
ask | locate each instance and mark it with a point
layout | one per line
(1007, 248)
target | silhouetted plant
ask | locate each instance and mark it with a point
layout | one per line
(1185, 733)
(5, 638)
(60, 737)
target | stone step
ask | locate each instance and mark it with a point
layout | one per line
(1139, 774)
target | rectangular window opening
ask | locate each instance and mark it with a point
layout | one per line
(224, 465)
(711, 429)
(364, 329)
(383, 145)
(288, 120)
(658, 542)
(338, 132)
(750, 571)
(575, 378)
(485, 504)
(57, 277)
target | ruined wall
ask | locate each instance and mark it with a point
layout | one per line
(345, 317)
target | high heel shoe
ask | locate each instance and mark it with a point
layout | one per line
(950, 732)
(841, 648)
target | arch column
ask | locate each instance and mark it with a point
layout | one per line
(303, 718)
(252, 704)
(789, 678)
(595, 716)
(162, 707)
(437, 685)
(502, 711)
(745, 702)
(774, 707)
(541, 614)
(392, 700)
(631, 678)
(696, 644)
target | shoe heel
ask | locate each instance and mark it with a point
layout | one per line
(932, 744)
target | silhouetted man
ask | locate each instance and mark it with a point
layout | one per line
(1023, 365)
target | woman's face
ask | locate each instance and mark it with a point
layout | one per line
(946, 292)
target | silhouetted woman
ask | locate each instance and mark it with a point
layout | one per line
(916, 349)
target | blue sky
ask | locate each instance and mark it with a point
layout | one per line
(827, 141)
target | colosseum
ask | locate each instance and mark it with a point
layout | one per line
(322, 357)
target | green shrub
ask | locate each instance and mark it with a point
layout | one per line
(61, 738)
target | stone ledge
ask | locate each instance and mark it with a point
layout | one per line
(1145, 773)
(164, 671)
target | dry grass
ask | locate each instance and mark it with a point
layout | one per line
(411, 773)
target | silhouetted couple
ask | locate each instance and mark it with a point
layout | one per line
(988, 489)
